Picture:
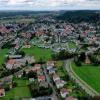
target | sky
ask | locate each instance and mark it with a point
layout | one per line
(49, 5)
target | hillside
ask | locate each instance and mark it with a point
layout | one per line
(79, 16)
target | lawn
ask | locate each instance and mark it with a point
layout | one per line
(21, 90)
(60, 68)
(90, 74)
(38, 53)
(71, 44)
(3, 53)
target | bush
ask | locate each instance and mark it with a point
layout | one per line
(7, 88)
(78, 63)
(14, 84)
(39, 91)
(32, 74)
(62, 55)
(22, 53)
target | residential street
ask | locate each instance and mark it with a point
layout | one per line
(82, 83)
(50, 83)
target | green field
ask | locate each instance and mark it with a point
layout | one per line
(38, 53)
(71, 44)
(21, 90)
(90, 74)
(3, 53)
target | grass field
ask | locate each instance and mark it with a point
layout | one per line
(3, 53)
(71, 44)
(38, 53)
(90, 74)
(21, 90)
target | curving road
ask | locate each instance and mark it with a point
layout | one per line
(78, 80)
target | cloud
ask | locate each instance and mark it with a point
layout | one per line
(50, 4)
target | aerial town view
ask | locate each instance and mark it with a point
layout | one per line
(49, 50)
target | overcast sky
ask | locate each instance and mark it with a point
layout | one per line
(49, 4)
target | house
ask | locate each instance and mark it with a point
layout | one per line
(26, 46)
(50, 63)
(44, 98)
(14, 56)
(50, 69)
(39, 72)
(10, 64)
(6, 81)
(16, 63)
(41, 78)
(29, 59)
(64, 92)
(31, 79)
(30, 99)
(70, 98)
(60, 83)
(87, 60)
(2, 92)
(27, 70)
(44, 84)
(56, 77)
(19, 74)
(37, 66)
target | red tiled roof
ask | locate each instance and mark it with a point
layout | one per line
(1, 91)
(50, 63)
(70, 98)
(63, 90)
(41, 77)
(11, 61)
(37, 65)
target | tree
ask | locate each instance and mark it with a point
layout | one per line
(22, 53)
(62, 55)
(41, 60)
(32, 74)
(24, 73)
(82, 56)
(94, 60)
(78, 63)
(4, 66)
(37, 90)
(7, 88)
(26, 63)
(14, 84)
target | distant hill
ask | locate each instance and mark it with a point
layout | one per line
(13, 13)
(26, 13)
(23, 13)
(79, 16)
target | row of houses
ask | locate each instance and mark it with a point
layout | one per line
(59, 83)
(37, 68)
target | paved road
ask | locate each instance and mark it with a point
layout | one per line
(50, 83)
(78, 80)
